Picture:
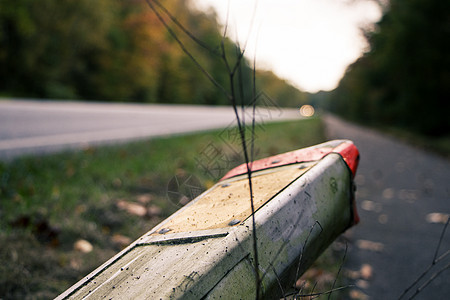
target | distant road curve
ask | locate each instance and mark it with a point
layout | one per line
(34, 127)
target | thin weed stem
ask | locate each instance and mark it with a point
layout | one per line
(436, 260)
(230, 94)
(339, 271)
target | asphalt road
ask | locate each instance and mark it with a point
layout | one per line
(399, 191)
(39, 127)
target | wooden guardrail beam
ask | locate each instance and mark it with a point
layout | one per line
(303, 200)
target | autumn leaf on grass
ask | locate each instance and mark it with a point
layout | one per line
(132, 208)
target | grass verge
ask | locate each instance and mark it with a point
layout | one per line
(109, 196)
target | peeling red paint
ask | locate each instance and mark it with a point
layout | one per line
(345, 148)
(350, 154)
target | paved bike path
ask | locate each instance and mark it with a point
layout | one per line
(403, 196)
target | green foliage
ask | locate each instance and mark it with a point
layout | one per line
(404, 80)
(115, 51)
(46, 44)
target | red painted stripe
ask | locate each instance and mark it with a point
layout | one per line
(344, 147)
(350, 154)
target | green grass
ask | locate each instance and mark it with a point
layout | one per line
(50, 202)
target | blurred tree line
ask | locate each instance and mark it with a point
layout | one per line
(404, 79)
(116, 51)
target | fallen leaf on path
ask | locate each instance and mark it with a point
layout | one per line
(366, 271)
(383, 218)
(369, 245)
(353, 274)
(360, 180)
(408, 195)
(314, 276)
(362, 284)
(371, 206)
(388, 193)
(358, 295)
(437, 218)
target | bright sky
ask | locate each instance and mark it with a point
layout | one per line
(308, 42)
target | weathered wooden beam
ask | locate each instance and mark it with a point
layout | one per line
(303, 201)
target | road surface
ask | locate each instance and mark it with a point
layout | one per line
(37, 127)
(403, 195)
